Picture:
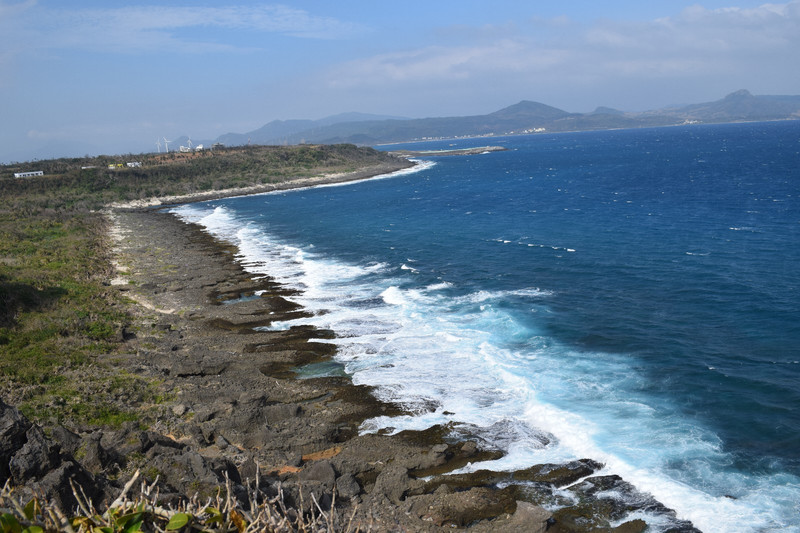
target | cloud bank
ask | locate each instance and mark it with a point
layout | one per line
(722, 49)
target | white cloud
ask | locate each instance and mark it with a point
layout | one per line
(440, 63)
(140, 28)
(692, 47)
(265, 18)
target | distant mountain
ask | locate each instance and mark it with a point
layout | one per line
(602, 110)
(279, 131)
(739, 106)
(523, 117)
(526, 110)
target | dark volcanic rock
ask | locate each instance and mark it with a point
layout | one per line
(186, 471)
(56, 485)
(559, 475)
(92, 454)
(69, 441)
(36, 463)
(13, 429)
(606, 499)
(320, 471)
(36, 457)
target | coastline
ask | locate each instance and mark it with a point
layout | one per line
(448, 152)
(438, 453)
(235, 407)
(299, 183)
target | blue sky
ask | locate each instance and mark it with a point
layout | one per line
(93, 76)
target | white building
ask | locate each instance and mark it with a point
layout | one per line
(28, 174)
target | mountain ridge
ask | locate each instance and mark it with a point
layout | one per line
(278, 129)
(525, 116)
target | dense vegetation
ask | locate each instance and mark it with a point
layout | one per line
(57, 312)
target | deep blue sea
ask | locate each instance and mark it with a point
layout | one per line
(631, 296)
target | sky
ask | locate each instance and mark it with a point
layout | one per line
(93, 76)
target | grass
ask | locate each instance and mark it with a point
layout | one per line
(134, 511)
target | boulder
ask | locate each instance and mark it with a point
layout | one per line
(321, 471)
(347, 486)
(392, 483)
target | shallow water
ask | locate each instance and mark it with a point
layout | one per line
(630, 296)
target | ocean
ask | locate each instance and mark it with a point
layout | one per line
(630, 296)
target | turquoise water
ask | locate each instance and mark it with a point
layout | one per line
(630, 296)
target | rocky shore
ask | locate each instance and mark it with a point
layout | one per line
(233, 407)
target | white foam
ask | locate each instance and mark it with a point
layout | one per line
(393, 295)
(419, 166)
(485, 296)
(439, 355)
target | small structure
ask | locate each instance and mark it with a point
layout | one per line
(28, 174)
(132, 164)
(217, 146)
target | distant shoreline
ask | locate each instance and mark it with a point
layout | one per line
(567, 132)
(325, 179)
(403, 159)
(455, 151)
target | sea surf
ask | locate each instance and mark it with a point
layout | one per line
(628, 296)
